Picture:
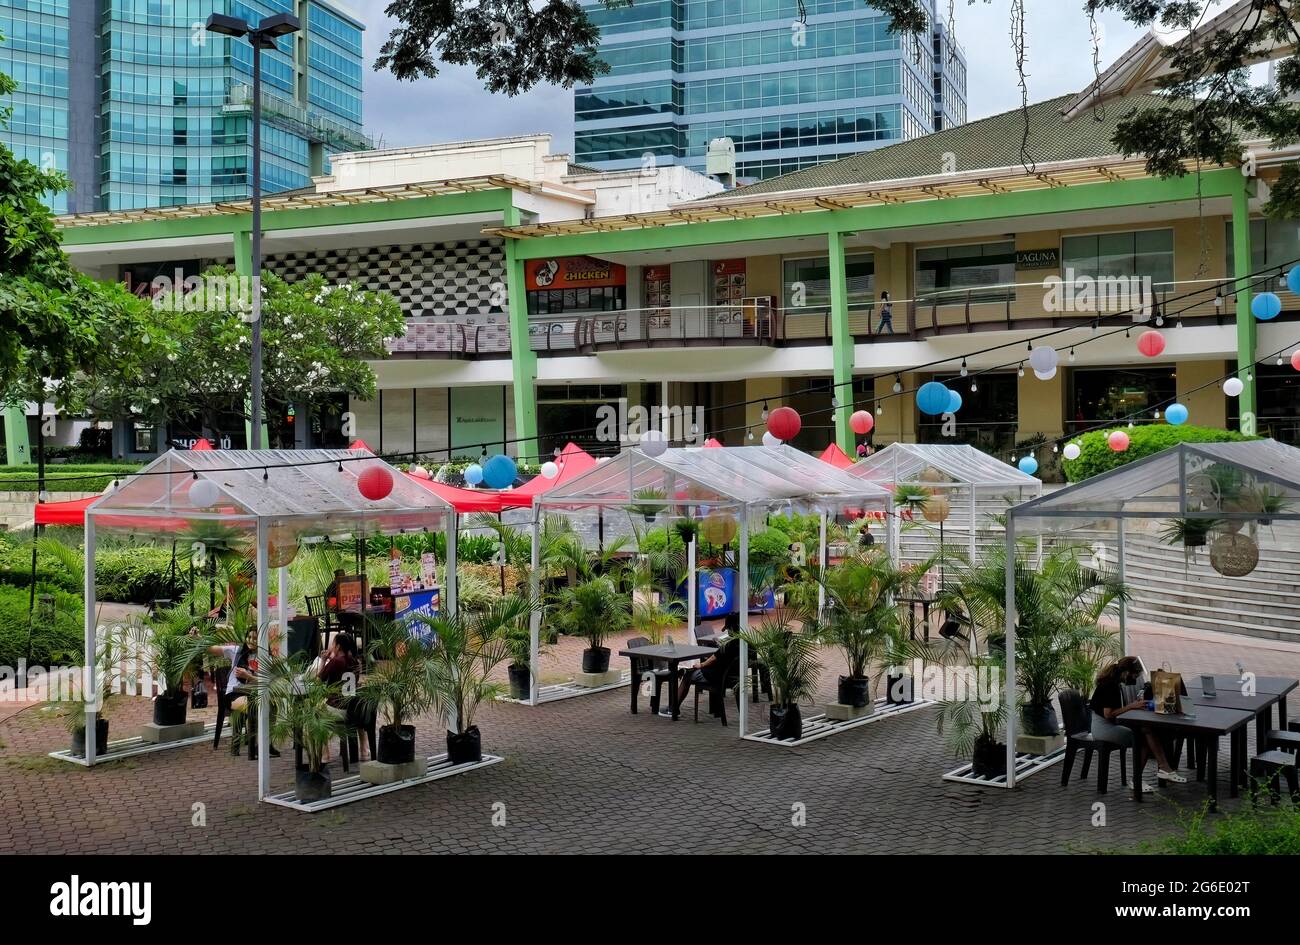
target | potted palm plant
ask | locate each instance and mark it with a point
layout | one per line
(396, 689)
(593, 608)
(790, 654)
(167, 643)
(974, 722)
(1188, 532)
(649, 504)
(303, 710)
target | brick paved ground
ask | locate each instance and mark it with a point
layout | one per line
(584, 775)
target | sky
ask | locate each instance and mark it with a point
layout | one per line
(455, 107)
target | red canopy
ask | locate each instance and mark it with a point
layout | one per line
(73, 512)
(462, 500)
(712, 444)
(63, 513)
(201, 444)
(836, 457)
(573, 461)
(360, 444)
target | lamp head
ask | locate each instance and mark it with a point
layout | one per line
(226, 25)
(280, 24)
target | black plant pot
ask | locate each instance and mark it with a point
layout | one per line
(989, 759)
(785, 722)
(595, 659)
(854, 691)
(466, 747)
(101, 739)
(1039, 719)
(169, 708)
(521, 681)
(396, 744)
(898, 689)
(1194, 541)
(308, 787)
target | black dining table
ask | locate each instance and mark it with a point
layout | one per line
(1260, 704)
(1203, 730)
(672, 654)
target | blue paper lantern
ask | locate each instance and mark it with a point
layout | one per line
(1293, 280)
(933, 398)
(473, 474)
(954, 401)
(1028, 465)
(1266, 306)
(1176, 414)
(499, 472)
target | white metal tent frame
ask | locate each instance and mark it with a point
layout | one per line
(308, 493)
(740, 480)
(965, 468)
(1154, 487)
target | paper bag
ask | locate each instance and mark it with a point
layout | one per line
(1165, 689)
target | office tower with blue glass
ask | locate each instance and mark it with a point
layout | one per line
(141, 107)
(789, 93)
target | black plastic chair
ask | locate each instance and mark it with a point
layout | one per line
(317, 608)
(1269, 768)
(729, 678)
(361, 720)
(1078, 726)
(656, 669)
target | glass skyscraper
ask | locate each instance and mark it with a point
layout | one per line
(789, 94)
(142, 107)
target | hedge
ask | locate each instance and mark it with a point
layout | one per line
(1096, 456)
(94, 477)
(122, 575)
(58, 641)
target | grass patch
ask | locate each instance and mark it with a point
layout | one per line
(65, 477)
(1248, 831)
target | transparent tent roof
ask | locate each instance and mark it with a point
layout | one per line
(732, 476)
(958, 465)
(309, 492)
(1250, 480)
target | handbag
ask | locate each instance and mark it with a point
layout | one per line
(1166, 687)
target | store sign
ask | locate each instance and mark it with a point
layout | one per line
(1038, 258)
(572, 272)
(478, 417)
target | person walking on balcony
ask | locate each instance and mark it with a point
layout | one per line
(886, 323)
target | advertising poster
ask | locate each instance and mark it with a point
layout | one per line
(414, 609)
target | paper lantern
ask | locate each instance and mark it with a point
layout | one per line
(930, 474)
(1233, 387)
(861, 422)
(1293, 280)
(419, 471)
(499, 472)
(1043, 358)
(1027, 465)
(1151, 343)
(770, 440)
(1045, 375)
(1234, 555)
(204, 493)
(954, 401)
(281, 546)
(933, 398)
(784, 423)
(473, 474)
(1176, 414)
(719, 528)
(375, 483)
(1117, 440)
(1266, 306)
(1295, 358)
(654, 442)
(550, 470)
(937, 508)
(1071, 451)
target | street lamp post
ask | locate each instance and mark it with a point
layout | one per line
(262, 36)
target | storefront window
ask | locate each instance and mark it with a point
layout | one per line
(1272, 243)
(1145, 253)
(987, 418)
(1278, 392)
(951, 275)
(814, 275)
(1107, 395)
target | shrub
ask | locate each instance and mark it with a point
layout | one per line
(56, 641)
(769, 547)
(1096, 456)
(656, 540)
(1274, 830)
(66, 477)
(138, 575)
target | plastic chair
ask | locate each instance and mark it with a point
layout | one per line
(1078, 726)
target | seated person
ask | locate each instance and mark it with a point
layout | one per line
(1108, 702)
(708, 673)
(242, 673)
(340, 664)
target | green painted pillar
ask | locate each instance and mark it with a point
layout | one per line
(244, 267)
(523, 359)
(841, 342)
(1246, 328)
(18, 446)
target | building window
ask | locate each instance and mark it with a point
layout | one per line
(1109, 395)
(988, 416)
(1145, 253)
(814, 276)
(1272, 243)
(976, 272)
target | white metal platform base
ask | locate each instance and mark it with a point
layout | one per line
(819, 726)
(352, 788)
(1026, 765)
(568, 690)
(135, 745)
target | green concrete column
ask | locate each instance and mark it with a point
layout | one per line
(523, 360)
(841, 341)
(18, 447)
(244, 267)
(1246, 328)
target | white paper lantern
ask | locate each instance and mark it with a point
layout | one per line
(770, 440)
(204, 493)
(1071, 451)
(419, 472)
(1045, 375)
(653, 442)
(550, 470)
(1043, 359)
(1233, 387)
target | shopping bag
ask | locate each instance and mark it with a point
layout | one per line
(1166, 686)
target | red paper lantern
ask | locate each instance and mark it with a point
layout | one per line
(375, 483)
(1118, 441)
(862, 422)
(784, 423)
(1295, 360)
(1151, 343)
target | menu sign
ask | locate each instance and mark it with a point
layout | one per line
(572, 272)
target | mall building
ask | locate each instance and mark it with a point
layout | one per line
(538, 291)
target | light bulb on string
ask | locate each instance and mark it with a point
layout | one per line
(763, 415)
(751, 435)
(973, 387)
(963, 367)
(898, 384)
(1072, 355)
(1020, 371)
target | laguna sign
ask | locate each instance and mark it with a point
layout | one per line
(1038, 258)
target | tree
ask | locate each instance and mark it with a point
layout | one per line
(316, 338)
(55, 323)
